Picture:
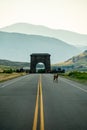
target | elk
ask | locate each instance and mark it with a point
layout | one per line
(55, 77)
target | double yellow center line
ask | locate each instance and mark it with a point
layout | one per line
(39, 99)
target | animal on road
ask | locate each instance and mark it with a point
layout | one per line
(55, 77)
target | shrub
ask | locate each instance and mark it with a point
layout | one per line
(8, 71)
(78, 75)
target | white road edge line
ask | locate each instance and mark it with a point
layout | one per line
(84, 90)
(13, 81)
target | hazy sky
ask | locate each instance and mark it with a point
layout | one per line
(58, 14)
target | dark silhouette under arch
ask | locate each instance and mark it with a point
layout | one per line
(40, 57)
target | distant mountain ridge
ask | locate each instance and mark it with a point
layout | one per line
(18, 47)
(67, 36)
(78, 61)
(13, 63)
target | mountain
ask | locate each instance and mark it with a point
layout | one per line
(79, 61)
(18, 47)
(13, 63)
(83, 48)
(71, 38)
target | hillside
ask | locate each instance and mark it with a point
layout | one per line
(79, 61)
(69, 37)
(18, 47)
(13, 63)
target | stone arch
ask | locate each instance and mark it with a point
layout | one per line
(40, 57)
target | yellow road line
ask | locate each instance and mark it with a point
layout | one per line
(36, 110)
(41, 108)
(39, 95)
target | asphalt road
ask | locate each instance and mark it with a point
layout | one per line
(64, 103)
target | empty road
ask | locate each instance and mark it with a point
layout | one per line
(35, 102)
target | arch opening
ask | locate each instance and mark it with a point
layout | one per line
(40, 67)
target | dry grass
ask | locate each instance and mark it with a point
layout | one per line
(1, 70)
(68, 62)
(4, 77)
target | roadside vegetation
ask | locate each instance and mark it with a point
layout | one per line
(77, 76)
(7, 73)
(6, 76)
